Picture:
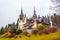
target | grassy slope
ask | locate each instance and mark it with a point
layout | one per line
(51, 36)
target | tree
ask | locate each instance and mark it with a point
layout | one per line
(57, 20)
(17, 24)
(18, 32)
(13, 30)
(41, 26)
(2, 31)
(6, 29)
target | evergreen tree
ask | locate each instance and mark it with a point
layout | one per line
(6, 29)
(17, 24)
(2, 31)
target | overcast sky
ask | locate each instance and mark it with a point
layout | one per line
(55, 6)
(10, 9)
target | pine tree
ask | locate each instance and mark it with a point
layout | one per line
(17, 24)
(2, 31)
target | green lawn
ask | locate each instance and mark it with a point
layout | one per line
(51, 36)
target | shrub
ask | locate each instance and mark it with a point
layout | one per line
(6, 34)
(54, 29)
(25, 33)
(40, 32)
(12, 35)
(34, 31)
(18, 32)
(46, 31)
(49, 30)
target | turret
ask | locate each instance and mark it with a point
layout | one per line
(34, 15)
(50, 22)
(21, 15)
(34, 19)
(21, 20)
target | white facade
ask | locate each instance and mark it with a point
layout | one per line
(34, 25)
(21, 23)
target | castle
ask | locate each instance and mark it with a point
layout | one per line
(25, 23)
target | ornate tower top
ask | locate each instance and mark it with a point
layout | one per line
(21, 11)
(21, 15)
(34, 15)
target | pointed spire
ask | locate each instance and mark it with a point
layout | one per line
(34, 15)
(21, 15)
(21, 11)
(34, 11)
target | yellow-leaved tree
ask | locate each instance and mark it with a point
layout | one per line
(41, 26)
